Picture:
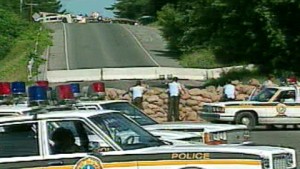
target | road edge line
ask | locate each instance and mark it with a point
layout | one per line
(140, 44)
(66, 46)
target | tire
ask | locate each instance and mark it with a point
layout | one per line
(246, 118)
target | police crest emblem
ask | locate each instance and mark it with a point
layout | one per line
(281, 109)
(88, 163)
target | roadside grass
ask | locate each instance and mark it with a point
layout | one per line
(203, 59)
(14, 65)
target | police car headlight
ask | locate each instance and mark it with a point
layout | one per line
(223, 136)
(290, 160)
(216, 136)
(265, 163)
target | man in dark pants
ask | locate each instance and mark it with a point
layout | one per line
(174, 90)
(137, 94)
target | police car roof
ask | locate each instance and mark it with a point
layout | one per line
(57, 114)
(283, 87)
(16, 108)
(86, 102)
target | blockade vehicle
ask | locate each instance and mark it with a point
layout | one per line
(179, 132)
(108, 139)
(271, 106)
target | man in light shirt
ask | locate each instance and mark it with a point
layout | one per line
(137, 94)
(229, 92)
(175, 90)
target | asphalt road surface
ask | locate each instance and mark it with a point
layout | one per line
(280, 137)
(104, 45)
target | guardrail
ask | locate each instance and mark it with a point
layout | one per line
(136, 73)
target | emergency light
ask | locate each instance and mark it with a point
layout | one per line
(18, 88)
(43, 83)
(75, 87)
(96, 89)
(64, 92)
(5, 89)
(37, 94)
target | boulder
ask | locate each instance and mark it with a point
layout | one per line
(185, 96)
(112, 94)
(163, 96)
(191, 116)
(211, 89)
(196, 108)
(241, 97)
(152, 106)
(197, 98)
(159, 102)
(254, 82)
(152, 99)
(149, 112)
(195, 92)
(191, 102)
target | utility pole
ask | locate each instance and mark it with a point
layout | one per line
(31, 9)
(21, 7)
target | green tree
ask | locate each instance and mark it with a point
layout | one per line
(11, 26)
(261, 32)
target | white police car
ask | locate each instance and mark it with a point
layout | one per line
(177, 132)
(108, 139)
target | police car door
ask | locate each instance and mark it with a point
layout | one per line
(71, 143)
(286, 107)
(20, 145)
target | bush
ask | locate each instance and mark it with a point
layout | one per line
(204, 59)
(242, 75)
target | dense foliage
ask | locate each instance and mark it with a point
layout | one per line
(25, 8)
(263, 32)
(14, 16)
(18, 35)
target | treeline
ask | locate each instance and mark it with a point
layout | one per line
(262, 32)
(15, 19)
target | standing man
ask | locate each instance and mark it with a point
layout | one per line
(137, 94)
(174, 90)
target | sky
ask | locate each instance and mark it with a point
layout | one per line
(88, 6)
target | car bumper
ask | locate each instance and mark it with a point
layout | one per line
(210, 116)
(213, 117)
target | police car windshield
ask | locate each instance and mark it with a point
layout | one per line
(265, 95)
(131, 111)
(126, 133)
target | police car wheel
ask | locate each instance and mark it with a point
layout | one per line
(246, 118)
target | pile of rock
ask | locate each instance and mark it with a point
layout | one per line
(155, 102)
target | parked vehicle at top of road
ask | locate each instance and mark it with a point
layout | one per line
(189, 132)
(272, 105)
(46, 17)
(108, 139)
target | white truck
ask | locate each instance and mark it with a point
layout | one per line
(271, 106)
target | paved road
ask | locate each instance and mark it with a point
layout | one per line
(286, 138)
(104, 45)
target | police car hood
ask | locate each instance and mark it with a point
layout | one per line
(263, 151)
(231, 103)
(173, 135)
(192, 127)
